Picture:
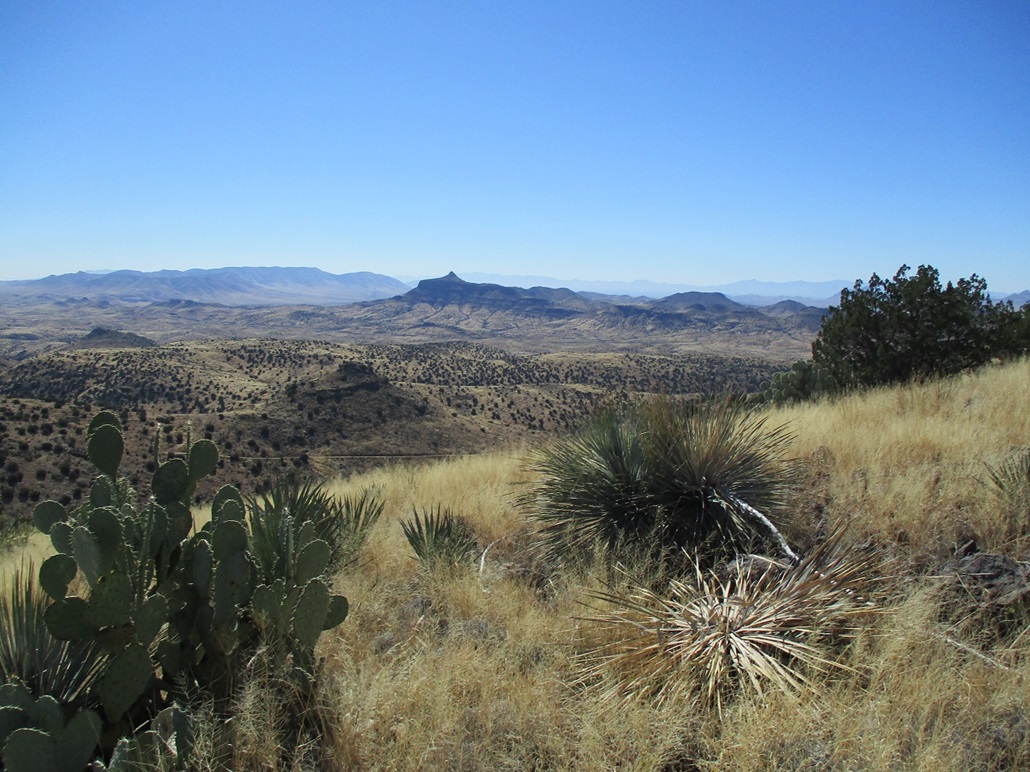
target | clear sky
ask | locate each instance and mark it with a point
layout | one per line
(683, 141)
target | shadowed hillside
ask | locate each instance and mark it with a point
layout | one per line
(274, 407)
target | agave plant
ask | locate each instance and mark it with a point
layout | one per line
(277, 516)
(29, 654)
(664, 478)
(594, 489)
(715, 634)
(439, 537)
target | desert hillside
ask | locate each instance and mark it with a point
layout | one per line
(480, 664)
(474, 670)
(275, 407)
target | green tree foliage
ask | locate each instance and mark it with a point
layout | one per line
(801, 382)
(911, 327)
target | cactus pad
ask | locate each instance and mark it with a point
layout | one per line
(151, 617)
(203, 459)
(125, 679)
(86, 553)
(336, 613)
(104, 448)
(231, 509)
(224, 494)
(103, 418)
(180, 521)
(61, 537)
(110, 603)
(267, 603)
(233, 585)
(203, 564)
(229, 538)
(101, 493)
(31, 750)
(11, 718)
(106, 528)
(46, 514)
(171, 481)
(46, 714)
(49, 744)
(67, 619)
(79, 740)
(56, 574)
(310, 613)
(312, 561)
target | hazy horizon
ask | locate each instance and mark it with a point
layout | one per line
(682, 143)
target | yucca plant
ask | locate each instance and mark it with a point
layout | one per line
(351, 520)
(594, 488)
(665, 478)
(439, 538)
(711, 635)
(1011, 486)
(29, 654)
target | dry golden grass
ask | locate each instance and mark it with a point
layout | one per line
(478, 669)
(910, 464)
(916, 702)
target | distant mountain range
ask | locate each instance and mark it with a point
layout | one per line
(311, 286)
(544, 318)
(444, 309)
(749, 292)
(752, 292)
(224, 286)
(1019, 299)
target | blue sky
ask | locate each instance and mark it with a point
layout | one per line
(684, 142)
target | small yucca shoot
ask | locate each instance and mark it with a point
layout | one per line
(439, 537)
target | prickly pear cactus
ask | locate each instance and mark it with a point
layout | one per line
(126, 557)
(35, 737)
(166, 603)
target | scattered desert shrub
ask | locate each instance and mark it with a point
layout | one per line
(803, 381)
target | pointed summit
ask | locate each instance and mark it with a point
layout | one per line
(453, 277)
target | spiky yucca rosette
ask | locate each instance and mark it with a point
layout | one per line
(750, 628)
(666, 477)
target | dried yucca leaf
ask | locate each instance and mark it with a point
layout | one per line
(710, 636)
